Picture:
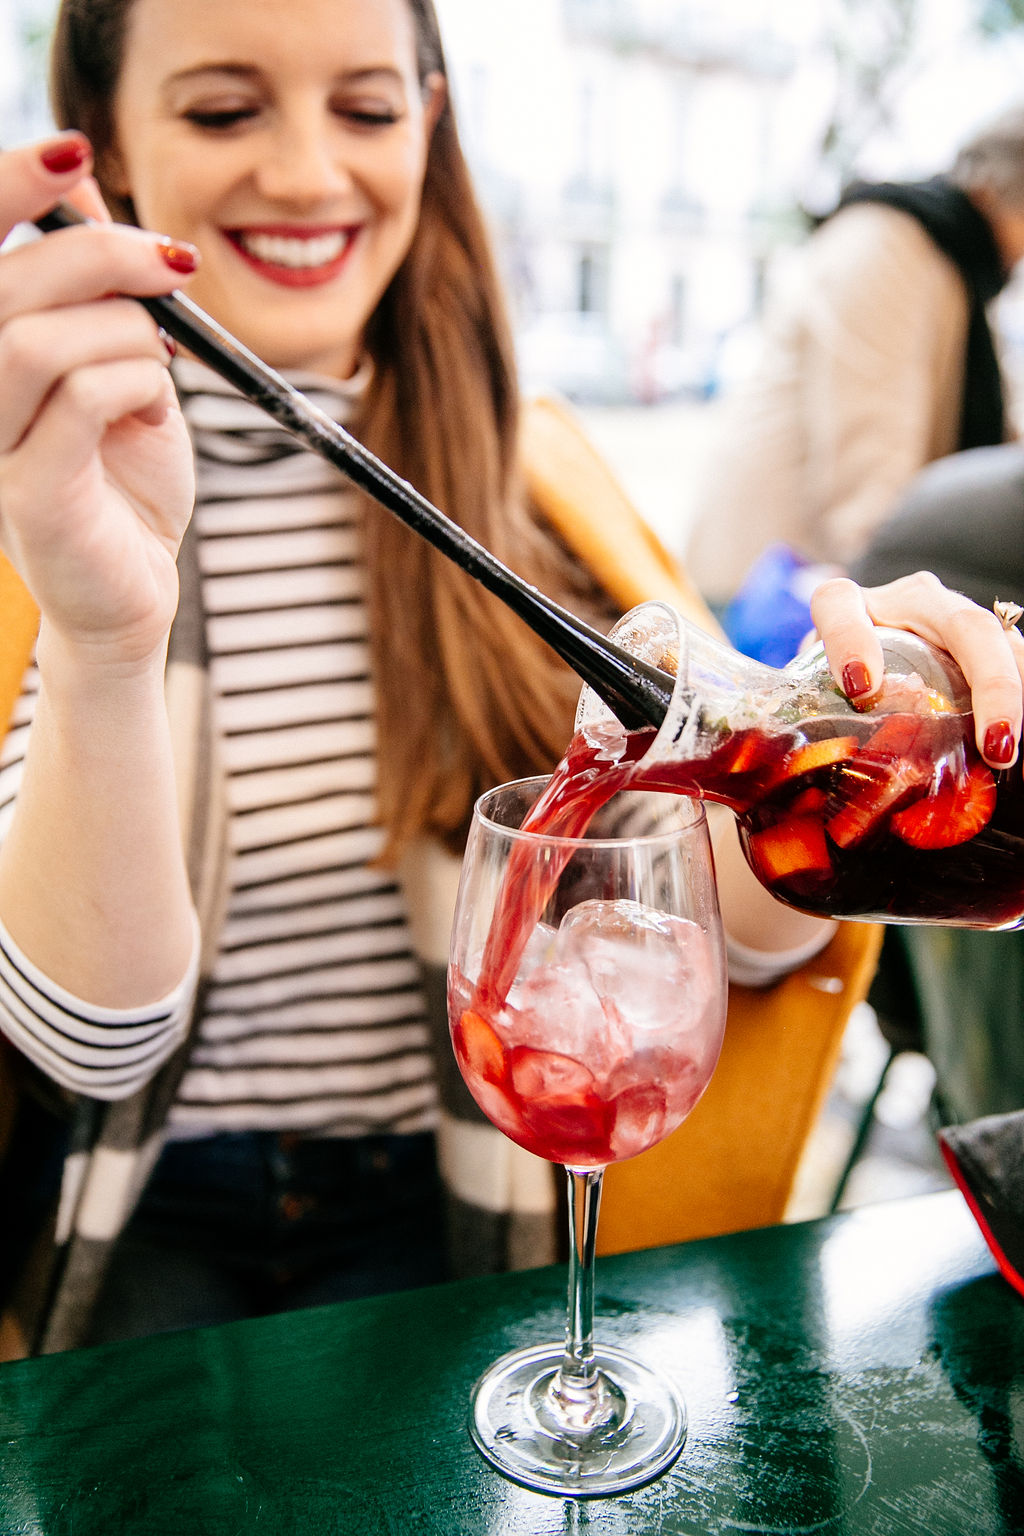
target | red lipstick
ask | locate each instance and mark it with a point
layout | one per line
(289, 255)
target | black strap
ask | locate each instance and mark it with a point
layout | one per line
(963, 234)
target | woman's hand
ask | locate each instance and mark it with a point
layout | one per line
(991, 658)
(96, 480)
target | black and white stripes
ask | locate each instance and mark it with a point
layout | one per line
(103, 1052)
(314, 1018)
(106, 1053)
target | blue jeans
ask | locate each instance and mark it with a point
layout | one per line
(245, 1224)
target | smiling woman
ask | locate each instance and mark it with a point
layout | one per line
(334, 692)
(239, 132)
(298, 157)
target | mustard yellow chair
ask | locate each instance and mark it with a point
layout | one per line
(734, 1162)
(19, 620)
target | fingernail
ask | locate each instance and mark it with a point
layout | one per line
(999, 744)
(169, 343)
(65, 155)
(856, 680)
(179, 256)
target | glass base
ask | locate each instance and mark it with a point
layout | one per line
(623, 1432)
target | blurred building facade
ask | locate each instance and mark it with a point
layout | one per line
(643, 162)
(24, 31)
(628, 155)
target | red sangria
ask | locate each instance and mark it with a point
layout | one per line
(587, 1017)
(606, 1039)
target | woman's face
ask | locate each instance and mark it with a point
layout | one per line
(287, 139)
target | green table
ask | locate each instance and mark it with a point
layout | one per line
(860, 1374)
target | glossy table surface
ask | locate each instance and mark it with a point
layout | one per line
(860, 1374)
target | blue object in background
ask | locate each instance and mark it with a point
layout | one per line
(770, 615)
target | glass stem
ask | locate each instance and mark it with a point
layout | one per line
(577, 1373)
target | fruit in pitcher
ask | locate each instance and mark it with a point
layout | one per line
(955, 813)
(889, 769)
(794, 846)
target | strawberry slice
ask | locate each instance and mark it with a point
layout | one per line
(548, 1075)
(895, 737)
(795, 846)
(561, 1108)
(955, 813)
(479, 1047)
(879, 791)
(893, 766)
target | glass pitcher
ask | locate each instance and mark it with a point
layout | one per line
(887, 813)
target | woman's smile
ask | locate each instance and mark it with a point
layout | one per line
(296, 257)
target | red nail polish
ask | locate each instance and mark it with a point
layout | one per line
(856, 680)
(999, 746)
(179, 257)
(170, 345)
(65, 156)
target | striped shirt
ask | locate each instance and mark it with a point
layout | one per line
(315, 1018)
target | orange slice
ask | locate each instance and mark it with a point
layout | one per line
(795, 846)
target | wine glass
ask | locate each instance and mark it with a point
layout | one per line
(586, 997)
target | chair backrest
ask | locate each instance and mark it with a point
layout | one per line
(734, 1162)
(580, 496)
(19, 621)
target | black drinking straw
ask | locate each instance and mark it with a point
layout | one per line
(636, 692)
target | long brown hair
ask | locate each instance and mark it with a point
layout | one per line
(467, 696)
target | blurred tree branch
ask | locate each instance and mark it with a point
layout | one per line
(996, 17)
(872, 45)
(875, 49)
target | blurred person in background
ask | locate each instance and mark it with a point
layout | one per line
(877, 357)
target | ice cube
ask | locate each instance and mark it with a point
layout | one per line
(539, 950)
(652, 970)
(556, 1009)
(639, 1119)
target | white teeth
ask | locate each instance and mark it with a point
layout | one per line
(293, 250)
